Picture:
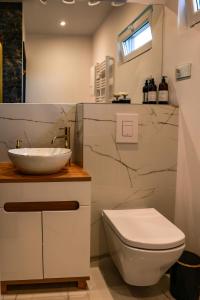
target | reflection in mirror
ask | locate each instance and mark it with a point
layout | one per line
(1, 75)
(11, 39)
(64, 43)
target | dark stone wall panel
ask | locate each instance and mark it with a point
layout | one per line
(11, 38)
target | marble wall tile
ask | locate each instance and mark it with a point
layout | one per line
(123, 176)
(11, 38)
(129, 175)
(34, 124)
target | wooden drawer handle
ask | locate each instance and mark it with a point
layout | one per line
(41, 206)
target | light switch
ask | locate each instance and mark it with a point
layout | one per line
(183, 71)
(126, 128)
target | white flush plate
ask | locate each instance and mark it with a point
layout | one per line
(126, 128)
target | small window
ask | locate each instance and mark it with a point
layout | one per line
(193, 11)
(197, 5)
(136, 38)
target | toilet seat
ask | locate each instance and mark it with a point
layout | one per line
(144, 229)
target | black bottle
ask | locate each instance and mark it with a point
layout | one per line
(152, 92)
(145, 92)
(163, 92)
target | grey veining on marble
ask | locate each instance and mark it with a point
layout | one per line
(129, 175)
(34, 124)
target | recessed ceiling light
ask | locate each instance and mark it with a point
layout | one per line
(44, 2)
(68, 1)
(93, 2)
(62, 23)
(117, 3)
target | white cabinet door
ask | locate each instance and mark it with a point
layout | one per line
(21, 246)
(66, 243)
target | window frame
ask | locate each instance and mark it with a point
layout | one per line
(193, 14)
(133, 27)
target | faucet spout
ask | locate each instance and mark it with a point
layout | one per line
(53, 140)
(65, 136)
(57, 137)
(18, 144)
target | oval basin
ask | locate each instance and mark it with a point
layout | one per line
(39, 160)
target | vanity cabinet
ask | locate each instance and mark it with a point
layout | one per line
(45, 227)
(20, 243)
(66, 243)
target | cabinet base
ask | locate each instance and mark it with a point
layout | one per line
(13, 286)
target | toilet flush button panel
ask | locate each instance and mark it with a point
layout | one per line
(126, 128)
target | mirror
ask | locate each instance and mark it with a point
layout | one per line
(64, 42)
(1, 75)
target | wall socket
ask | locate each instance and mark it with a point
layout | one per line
(183, 71)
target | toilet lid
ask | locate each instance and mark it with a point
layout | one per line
(144, 228)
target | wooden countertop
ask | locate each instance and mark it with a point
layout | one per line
(8, 173)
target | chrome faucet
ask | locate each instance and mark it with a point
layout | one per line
(65, 136)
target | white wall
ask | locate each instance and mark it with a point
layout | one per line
(182, 44)
(58, 68)
(130, 76)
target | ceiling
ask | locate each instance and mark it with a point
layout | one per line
(80, 18)
(147, 1)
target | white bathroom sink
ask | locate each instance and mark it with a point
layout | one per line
(39, 160)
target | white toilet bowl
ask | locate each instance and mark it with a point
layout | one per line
(142, 243)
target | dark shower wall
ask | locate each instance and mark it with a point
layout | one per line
(11, 38)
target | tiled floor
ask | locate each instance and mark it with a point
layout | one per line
(121, 291)
(105, 284)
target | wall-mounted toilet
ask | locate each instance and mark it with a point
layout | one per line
(142, 243)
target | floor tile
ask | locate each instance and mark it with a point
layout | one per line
(121, 291)
(169, 296)
(10, 297)
(97, 286)
(50, 297)
(43, 296)
(24, 297)
(76, 295)
(62, 295)
(105, 284)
